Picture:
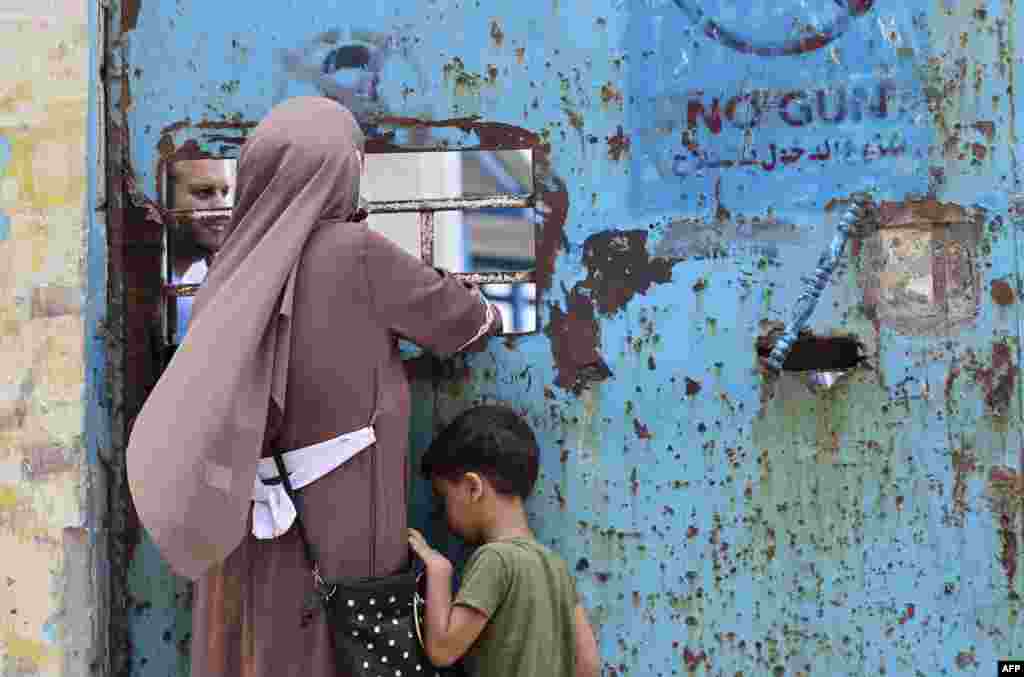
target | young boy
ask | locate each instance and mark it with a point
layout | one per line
(517, 613)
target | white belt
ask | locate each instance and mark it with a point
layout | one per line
(273, 512)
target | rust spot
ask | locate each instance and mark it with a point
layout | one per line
(1006, 489)
(951, 377)
(208, 125)
(979, 151)
(618, 145)
(920, 212)
(692, 387)
(130, 15)
(575, 338)
(963, 464)
(999, 380)
(619, 267)
(693, 659)
(1008, 556)
(465, 81)
(552, 238)
(520, 55)
(1006, 493)
(966, 659)
(497, 35)
(641, 430)
(692, 532)
(575, 119)
(1002, 293)
(769, 550)
(987, 128)
(559, 497)
(611, 95)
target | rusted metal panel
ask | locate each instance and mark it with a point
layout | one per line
(688, 155)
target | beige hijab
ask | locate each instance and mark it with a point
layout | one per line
(193, 451)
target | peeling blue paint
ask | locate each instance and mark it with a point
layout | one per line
(716, 525)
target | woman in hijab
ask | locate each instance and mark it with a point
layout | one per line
(292, 347)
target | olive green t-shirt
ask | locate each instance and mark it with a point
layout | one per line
(530, 600)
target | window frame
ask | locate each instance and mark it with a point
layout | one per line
(426, 208)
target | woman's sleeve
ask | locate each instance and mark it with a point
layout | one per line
(424, 305)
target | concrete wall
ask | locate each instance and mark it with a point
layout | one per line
(51, 298)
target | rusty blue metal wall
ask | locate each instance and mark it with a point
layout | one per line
(693, 160)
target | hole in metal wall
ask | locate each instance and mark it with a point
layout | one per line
(823, 359)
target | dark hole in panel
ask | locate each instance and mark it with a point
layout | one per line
(347, 56)
(816, 353)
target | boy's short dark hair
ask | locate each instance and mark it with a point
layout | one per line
(491, 440)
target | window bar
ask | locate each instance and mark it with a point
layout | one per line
(425, 208)
(427, 238)
(498, 277)
(448, 204)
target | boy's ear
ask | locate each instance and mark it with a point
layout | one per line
(476, 485)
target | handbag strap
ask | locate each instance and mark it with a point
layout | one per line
(297, 502)
(296, 497)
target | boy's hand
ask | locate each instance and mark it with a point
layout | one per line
(431, 558)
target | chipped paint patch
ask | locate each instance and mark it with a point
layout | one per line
(464, 82)
(998, 380)
(575, 337)
(619, 267)
(497, 35)
(1002, 293)
(921, 271)
(618, 145)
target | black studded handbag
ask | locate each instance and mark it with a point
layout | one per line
(376, 623)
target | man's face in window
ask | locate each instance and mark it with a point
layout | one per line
(203, 184)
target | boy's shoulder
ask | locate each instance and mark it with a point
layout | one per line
(514, 550)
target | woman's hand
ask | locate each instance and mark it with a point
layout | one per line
(431, 558)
